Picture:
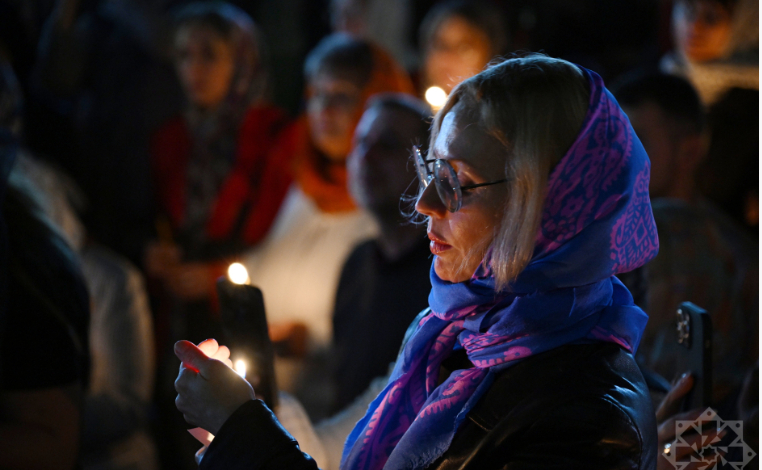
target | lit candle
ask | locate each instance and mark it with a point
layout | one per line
(238, 274)
(436, 97)
(244, 328)
(240, 368)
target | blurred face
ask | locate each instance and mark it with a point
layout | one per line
(457, 51)
(204, 64)
(701, 29)
(332, 108)
(654, 130)
(379, 173)
(459, 239)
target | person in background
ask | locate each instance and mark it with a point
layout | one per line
(384, 281)
(216, 186)
(319, 223)
(716, 45)
(115, 415)
(728, 175)
(386, 23)
(45, 365)
(457, 39)
(704, 256)
(101, 86)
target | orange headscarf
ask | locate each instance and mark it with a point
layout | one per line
(325, 184)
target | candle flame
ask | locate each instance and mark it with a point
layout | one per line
(436, 97)
(240, 368)
(238, 274)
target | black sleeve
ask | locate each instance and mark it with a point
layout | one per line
(253, 439)
(588, 433)
(37, 350)
(45, 342)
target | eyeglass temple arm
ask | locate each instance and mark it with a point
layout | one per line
(473, 186)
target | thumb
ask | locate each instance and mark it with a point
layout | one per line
(671, 402)
(192, 357)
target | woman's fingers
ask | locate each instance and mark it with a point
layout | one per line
(697, 441)
(210, 347)
(667, 431)
(213, 350)
(193, 358)
(671, 402)
(222, 353)
(183, 380)
(216, 351)
(188, 281)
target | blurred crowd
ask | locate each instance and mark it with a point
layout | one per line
(147, 145)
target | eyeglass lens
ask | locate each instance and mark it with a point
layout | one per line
(445, 179)
(448, 185)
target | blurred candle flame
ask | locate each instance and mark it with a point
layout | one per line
(436, 97)
(237, 274)
(240, 368)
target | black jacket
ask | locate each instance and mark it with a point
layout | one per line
(575, 407)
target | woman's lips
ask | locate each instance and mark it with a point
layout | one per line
(437, 245)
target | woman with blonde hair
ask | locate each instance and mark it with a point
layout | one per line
(536, 196)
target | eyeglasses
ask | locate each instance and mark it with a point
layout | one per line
(446, 180)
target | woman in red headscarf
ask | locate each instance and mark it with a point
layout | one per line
(217, 189)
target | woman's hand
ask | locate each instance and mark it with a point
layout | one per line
(160, 258)
(190, 281)
(208, 390)
(667, 416)
(214, 350)
(289, 338)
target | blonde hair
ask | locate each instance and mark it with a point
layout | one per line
(534, 106)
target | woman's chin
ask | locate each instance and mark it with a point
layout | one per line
(447, 272)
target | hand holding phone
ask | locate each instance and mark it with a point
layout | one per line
(694, 334)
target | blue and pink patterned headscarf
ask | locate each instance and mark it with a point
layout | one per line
(597, 222)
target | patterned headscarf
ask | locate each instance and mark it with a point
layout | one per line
(597, 222)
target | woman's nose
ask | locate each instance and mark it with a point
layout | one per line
(429, 202)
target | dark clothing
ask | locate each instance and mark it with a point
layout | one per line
(104, 90)
(375, 302)
(49, 355)
(46, 330)
(582, 406)
(600, 418)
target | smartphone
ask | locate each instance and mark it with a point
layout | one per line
(244, 329)
(694, 335)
